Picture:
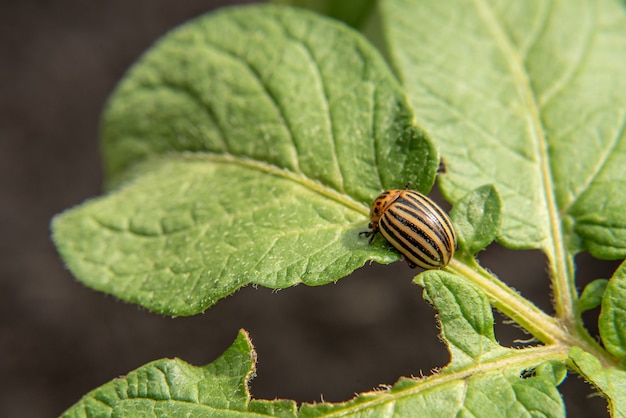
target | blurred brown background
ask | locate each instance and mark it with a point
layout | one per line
(59, 61)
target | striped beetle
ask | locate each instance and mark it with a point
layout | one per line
(414, 225)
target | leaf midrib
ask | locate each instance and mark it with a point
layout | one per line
(326, 109)
(268, 168)
(553, 246)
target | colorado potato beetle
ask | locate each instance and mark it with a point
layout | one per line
(414, 225)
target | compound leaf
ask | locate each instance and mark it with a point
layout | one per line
(482, 379)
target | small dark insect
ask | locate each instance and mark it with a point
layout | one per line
(414, 225)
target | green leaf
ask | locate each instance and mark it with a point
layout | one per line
(528, 96)
(465, 316)
(195, 228)
(250, 144)
(482, 379)
(612, 321)
(591, 296)
(476, 217)
(610, 381)
(171, 387)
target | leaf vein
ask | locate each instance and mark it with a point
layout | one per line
(471, 122)
(555, 247)
(327, 109)
(538, 30)
(279, 109)
(196, 98)
(572, 70)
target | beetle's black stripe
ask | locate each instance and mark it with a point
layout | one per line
(419, 229)
(421, 219)
(415, 226)
(429, 207)
(417, 248)
(416, 240)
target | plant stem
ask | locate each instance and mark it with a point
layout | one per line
(542, 326)
(545, 328)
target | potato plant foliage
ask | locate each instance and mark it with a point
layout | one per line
(246, 146)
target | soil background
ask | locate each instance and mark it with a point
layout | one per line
(58, 63)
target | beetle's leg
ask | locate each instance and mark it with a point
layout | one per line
(370, 234)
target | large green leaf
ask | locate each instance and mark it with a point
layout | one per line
(195, 228)
(245, 147)
(528, 96)
(171, 387)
